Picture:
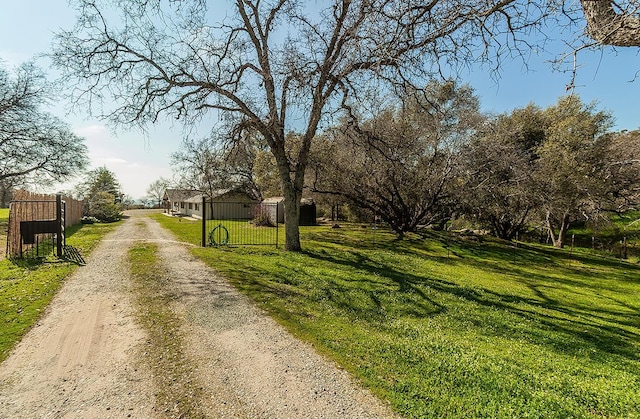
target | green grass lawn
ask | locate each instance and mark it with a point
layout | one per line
(234, 232)
(444, 327)
(27, 286)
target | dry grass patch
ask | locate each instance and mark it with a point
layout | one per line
(177, 392)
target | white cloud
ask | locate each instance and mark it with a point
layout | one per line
(115, 160)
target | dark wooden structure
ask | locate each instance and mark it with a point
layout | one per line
(37, 224)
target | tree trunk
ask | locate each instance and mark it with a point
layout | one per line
(607, 27)
(558, 240)
(292, 218)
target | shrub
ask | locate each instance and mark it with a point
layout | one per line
(261, 218)
(104, 208)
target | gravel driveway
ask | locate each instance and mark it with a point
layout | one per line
(83, 358)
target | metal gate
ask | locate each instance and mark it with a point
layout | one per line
(239, 224)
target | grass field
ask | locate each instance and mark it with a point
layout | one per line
(443, 326)
(27, 286)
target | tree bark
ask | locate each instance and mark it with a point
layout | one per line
(292, 219)
(607, 27)
(559, 239)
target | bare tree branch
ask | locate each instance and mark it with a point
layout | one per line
(275, 66)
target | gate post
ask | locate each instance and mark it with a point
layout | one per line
(59, 226)
(204, 221)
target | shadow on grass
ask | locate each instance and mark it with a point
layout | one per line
(33, 260)
(569, 325)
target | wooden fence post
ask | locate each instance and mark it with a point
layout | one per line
(204, 221)
(573, 239)
(59, 226)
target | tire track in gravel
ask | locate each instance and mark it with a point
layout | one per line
(80, 359)
(248, 365)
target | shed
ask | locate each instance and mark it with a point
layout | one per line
(307, 212)
(231, 204)
(275, 206)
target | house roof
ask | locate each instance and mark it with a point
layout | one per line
(195, 199)
(180, 195)
(237, 191)
(221, 192)
(192, 195)
(278, 199)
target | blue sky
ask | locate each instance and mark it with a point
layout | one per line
(27, 26)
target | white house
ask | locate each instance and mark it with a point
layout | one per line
(224, 205)
(176, 201)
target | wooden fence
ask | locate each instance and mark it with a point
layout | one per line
(31, 207)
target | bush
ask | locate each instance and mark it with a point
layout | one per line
(261, 218)
(104, 208)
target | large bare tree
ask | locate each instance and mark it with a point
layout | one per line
(274, 66)
(210, 165)
(156, 189)
(35, 146)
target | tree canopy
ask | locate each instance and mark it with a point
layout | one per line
(497, 175)
(269, 67)
(35, 146)
(102, 195)
(549, 167)
(401, 164)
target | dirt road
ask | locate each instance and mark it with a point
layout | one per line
(83, 359)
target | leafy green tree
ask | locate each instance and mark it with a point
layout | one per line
(498, 172)
(571, 165)
(101, 205)
(402, 164)
(102, 194)
(554, 166)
